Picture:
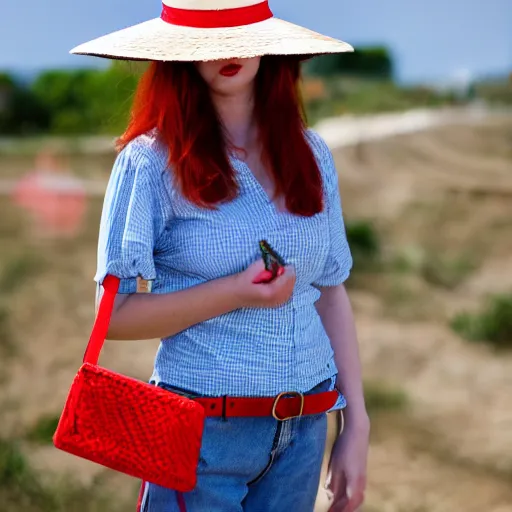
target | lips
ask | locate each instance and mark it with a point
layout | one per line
(230, 70)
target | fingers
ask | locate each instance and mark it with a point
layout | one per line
(339, 505)
(287, 273)
(265, 276)
(355, 493)
(347, 492)
(351, 506)
(256, 266)
(286, 280)
(337, 485)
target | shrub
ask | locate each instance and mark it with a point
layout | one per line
(21, 489)
(380, 397)
(7, 346)
(20, 268)
(364, 244)
(42, 432)
(446, 272)
(493, 325)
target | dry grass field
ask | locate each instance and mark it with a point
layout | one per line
(440, 205)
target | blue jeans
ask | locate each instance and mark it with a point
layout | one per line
(252, 465)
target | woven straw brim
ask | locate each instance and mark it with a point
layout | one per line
(158, 40)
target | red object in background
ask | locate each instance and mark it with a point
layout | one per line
(54, 198)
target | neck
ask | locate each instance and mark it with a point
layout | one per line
(236, 113)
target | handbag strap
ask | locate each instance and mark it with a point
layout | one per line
(100, 328)
(97, 339)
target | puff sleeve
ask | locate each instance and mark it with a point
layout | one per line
(132, 218)
(339, 262)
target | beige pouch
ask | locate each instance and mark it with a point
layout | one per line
(335, 423)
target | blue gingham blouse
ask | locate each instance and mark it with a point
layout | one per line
(149, 229)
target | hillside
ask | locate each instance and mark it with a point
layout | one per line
(440, 202)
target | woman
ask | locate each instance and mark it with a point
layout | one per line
(216, 158)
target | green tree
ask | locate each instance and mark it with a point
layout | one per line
(87, 101)
(21, 113)
(373, 62)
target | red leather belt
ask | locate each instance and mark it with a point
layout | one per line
(284, 406)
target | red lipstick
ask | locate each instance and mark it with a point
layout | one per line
(230, 70)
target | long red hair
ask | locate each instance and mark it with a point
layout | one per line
(173, 98)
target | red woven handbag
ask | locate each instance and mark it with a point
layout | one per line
(128, 425)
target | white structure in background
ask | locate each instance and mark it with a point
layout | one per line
(351, 130)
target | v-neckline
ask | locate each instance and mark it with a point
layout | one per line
(247, 170)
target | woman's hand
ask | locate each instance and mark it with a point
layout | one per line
(263, 295)
(347, 468)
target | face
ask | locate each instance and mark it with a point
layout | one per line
(230, 76)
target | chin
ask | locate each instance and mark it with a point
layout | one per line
(234, 87)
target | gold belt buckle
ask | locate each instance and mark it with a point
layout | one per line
(276, 401)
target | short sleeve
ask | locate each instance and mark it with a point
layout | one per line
(339, 262)
(132, 219)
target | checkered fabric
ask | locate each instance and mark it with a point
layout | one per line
(149, 229)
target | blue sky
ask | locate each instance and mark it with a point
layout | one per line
(430, 40)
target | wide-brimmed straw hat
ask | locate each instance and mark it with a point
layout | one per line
(203, 30)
